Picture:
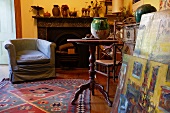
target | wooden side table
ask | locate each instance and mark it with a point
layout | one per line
(91, 84)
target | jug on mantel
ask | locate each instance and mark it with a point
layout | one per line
(56, 11)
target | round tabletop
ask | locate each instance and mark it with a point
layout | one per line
(93, 41)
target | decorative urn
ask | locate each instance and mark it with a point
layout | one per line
(143, 9)
(47, 14)
(100, 28)
(56, 11)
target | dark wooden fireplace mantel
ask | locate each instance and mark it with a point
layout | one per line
(43, 23)
(63, 22)
(58, 30)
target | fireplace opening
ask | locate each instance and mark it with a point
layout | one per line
(70, 55)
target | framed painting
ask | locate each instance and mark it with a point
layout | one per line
(128, 89)
(164, 4)
(164, 101)
(168, 75)
(137, 69)
(158, 89)
(152, 88)
(121, 85)
(129, 33)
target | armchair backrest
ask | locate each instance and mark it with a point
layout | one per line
(24, 44)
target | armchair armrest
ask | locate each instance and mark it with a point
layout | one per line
(52, 51)
(11, 54)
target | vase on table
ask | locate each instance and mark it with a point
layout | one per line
(100, 28)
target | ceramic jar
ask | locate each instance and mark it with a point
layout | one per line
(64, 10)
(47, 14)
(65, 13)
(100, 28)
(143, 9)
(56, 11)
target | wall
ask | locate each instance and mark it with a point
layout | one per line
(155, 3)
(28, 26)
(29, 29)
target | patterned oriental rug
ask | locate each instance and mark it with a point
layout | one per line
(48, 96)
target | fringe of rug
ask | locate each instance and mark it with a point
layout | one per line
(4, 82)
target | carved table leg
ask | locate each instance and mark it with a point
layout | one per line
(104, 93)
(92, 73)
(92, 84)
(79, 91)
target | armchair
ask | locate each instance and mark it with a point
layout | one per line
(30, 59)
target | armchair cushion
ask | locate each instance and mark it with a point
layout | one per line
(31, 57)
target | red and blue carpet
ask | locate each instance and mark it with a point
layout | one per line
(48, 96)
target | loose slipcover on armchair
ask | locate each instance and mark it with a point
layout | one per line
(30, 59)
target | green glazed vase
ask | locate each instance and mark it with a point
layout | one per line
(100, 27)
(143, 9)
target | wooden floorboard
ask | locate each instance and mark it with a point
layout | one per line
(98, 103)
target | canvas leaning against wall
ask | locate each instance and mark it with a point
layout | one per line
(142, 87)
(153, 36)
(164, 4)
(144, 81)
(153, 39)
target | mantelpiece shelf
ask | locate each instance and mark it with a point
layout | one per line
(42, 17)
(63, 22)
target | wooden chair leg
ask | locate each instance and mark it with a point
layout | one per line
(108, 80)
(113, 73)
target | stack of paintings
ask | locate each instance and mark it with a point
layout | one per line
(144, 78)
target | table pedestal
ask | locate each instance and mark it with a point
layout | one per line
(91, 84)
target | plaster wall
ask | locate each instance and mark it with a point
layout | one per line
(155, 3)
(29, 29)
